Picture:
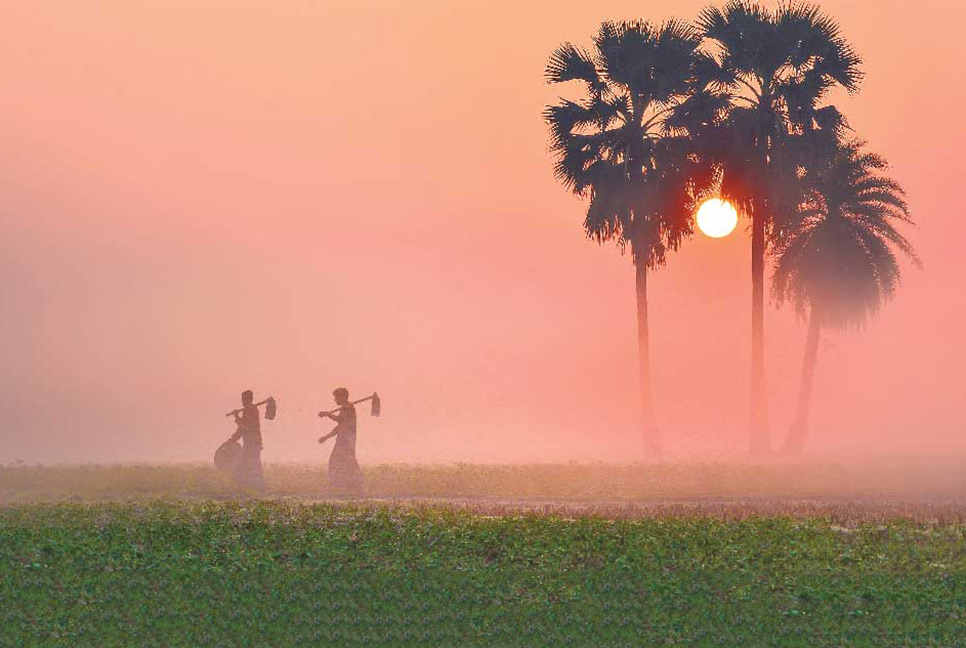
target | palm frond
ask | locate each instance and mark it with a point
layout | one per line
(570, 63)
(815, 39)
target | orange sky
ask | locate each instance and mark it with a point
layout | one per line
(199, 198)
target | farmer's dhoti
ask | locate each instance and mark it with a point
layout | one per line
(344, 471)
(248, 472)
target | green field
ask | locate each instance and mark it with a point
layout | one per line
(181, 566)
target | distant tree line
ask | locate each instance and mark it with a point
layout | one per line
(733, 105)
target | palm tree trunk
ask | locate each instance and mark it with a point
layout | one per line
(795, 442)
(758, 443)
(757, 423)
(652, 443)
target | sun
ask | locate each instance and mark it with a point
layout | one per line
(717, 218)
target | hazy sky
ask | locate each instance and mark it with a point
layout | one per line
(197, 198)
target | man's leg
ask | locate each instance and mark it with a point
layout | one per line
(255, 477)
(249, 471)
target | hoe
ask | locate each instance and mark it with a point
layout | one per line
(376, 405)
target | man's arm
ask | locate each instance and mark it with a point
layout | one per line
(241, 428)
(326, 437)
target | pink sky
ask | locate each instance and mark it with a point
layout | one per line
(199, 198)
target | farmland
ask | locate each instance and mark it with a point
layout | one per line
(166, 556)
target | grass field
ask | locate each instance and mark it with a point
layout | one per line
(171, 556)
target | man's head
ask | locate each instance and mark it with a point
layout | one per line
(341, 395)
(248, 397)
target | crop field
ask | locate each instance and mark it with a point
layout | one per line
(482, 556)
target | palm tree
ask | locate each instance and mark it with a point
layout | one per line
(839, 264)
(624, 146)
(776, 68)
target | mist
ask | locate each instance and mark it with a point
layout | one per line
(203, 198)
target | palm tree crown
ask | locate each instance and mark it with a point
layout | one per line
(624, 143)
(840, 262)
(776, 68)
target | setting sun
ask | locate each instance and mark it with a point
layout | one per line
(717, 218)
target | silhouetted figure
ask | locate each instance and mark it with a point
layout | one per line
(344, 472)
(249, 468)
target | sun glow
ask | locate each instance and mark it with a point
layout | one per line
(716, 218)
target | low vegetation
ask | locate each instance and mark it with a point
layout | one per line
(582, 555)
(274, 573)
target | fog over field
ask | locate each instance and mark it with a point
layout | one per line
(197, 199)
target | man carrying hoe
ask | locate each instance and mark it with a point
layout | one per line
(248, 471)
(344, 471)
